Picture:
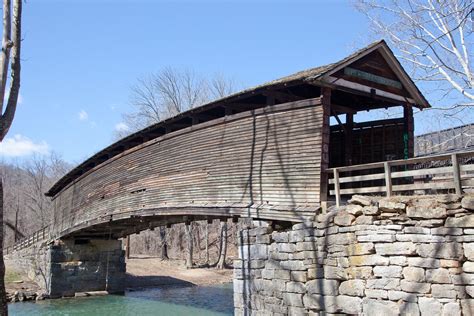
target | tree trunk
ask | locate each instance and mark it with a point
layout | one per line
(189, 239)
(223, 247)
(3, 297)
(164, 243)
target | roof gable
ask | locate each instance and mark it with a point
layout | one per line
(374, 67)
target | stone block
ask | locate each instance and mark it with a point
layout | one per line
(439, 275)
(443, 291)
(298, 235)
(281, 274)
(409, 309)
(398, 260)
(328, 304)
(462, 279)
(469, 251)
(336, 273)
(451, 231)
(280, 236)
(414, 274)
(349, 304)
(364, 220)
(352, 288)
(466, 221)
(404, 296)
(371, 210)
(371, 293)
(415, 287)
(448, 263)
(441, 250)
(451, 309)
(294, 311)
(353, 210)
(380, 307)
(293, 299)
(423, 262)
(429, 306)
(295, 287)
(416, 230)
(286, 247)
(315, 273)
(396, 248)
(470, 290)
(363, 273)
(360, 249)
(341, 239)
(368, 260)
(299, 276)
(390, 206)
(293, 265)
(376, 238)
(467, 306)
(388, 271)
(384, 284)
(323, 287)
(468, 266)
(360, 200)
(426, 212)
(343, 218)
(467, 202)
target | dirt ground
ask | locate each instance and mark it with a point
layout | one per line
(150, 271)
(142, 271)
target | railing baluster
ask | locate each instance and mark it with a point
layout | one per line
(336, 187)
(456, 174)
(388, 178)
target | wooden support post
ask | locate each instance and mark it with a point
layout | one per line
(336, 187)
(408, 134)
(348, 138)
(127, 247)
(325, 135)
(388, 178)
(456, 174)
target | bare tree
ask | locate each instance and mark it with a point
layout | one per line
(11, 44)
(223, 246)
(434, 39)
(169, 92)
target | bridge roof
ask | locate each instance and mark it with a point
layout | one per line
(256, 97)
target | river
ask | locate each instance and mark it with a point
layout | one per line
(177, 300)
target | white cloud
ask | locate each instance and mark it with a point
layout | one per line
(19, 145)
(121, 127)
(83, 116)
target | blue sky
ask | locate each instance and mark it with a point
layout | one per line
(80, 58)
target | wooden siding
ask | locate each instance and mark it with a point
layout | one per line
(263, 163)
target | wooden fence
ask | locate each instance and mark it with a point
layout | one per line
(37, 236)
(424, 175)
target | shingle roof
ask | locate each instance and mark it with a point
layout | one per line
(312, 75)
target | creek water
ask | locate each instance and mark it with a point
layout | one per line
(170, 300)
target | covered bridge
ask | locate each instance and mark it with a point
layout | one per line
(259, 153)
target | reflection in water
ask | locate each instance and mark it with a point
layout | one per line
(196, 300)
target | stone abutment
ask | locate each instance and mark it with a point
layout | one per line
(404, 255)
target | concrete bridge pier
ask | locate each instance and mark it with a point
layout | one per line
(83, 265)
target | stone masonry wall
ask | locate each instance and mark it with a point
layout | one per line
(391, 256)
(94, 265)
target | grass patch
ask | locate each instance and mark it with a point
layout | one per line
(12, 276)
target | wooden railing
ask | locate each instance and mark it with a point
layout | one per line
(37, 236)
(432, 174)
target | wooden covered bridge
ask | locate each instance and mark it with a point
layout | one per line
(282, 152)
(260, 153)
